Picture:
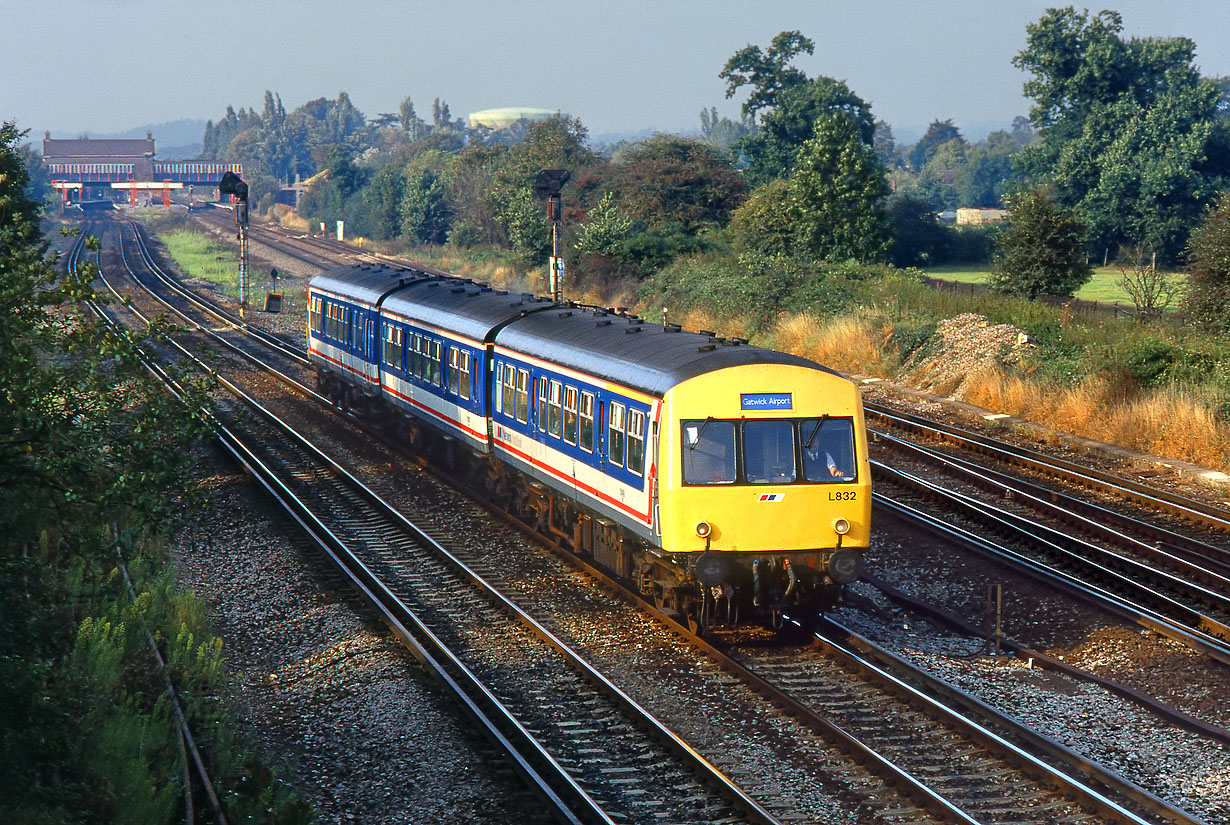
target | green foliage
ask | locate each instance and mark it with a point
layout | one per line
(836, 194)
(918, 238)
(974, 243)
(767, 72)
(383, 198)
(938, 133)
(1207, 302)
(92, 456)
(676, 180)
(605, 230)
(1131, 135)
(763, 225)
(1042, 252)
(774, 149)
(425, 213)
(524, 222)
(1148, 360)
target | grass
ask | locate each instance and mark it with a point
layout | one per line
(199, 256)
(1103, 287)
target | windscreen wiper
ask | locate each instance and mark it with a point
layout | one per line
(814, 430)
(699, 433)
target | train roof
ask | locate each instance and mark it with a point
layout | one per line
(650, 358)
(455, 304)
(625, 349)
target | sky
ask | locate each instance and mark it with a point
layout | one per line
(621, 66)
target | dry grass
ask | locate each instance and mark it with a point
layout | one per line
(851, 344)
(1165, 422)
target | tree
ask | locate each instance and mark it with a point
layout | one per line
(1207, 302)
(771, 152)
(768, 73)
(721, 132)
(837, 192)
(1151, 289)
(763, 226)
(1131, 136)
(426, 214)
(384, 202)
(918, 238)
(938, 133)
(670, 179)
(410, 121)
(1043, 250)
(886, 145)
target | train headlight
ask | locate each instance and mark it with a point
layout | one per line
(703, 529)
(841, 526)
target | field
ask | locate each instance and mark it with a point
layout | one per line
(1103, 287)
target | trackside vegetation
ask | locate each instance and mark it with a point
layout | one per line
(93, 469)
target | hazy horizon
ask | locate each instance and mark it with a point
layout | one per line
(112, 65)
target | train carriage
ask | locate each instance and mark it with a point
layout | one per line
(707, 472)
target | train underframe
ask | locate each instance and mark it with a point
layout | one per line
(704, 589)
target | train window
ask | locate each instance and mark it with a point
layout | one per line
(523, 396)
(315, 314)
(499, 387)
(615, 435)
(570, 415)
(454, 369)
(768, 451)
(587, 422)
(437, 372)
(553, 408)
(708, 452)
(636, 442)
(416, 356)
(828, 449)
(541, 396)
(391, 347)
(464, 371)
(510, 391)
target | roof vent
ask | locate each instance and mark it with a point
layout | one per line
(567, 314)
(603, 323)
(631, 330)
(706, 348)
(672, 328)
(708, 332)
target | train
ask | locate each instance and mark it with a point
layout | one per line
(726, 482)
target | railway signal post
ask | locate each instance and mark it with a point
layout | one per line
(548, 185)
(235, 186)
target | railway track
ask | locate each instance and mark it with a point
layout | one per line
(1004, 805)
(1105, 484)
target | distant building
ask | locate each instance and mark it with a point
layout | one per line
(137, 156)
(503, 118)
(947, 217)
(969, 215)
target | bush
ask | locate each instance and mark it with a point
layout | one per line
(1148, 360)
(1042, 252)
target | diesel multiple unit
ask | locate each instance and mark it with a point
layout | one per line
(723, 480)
